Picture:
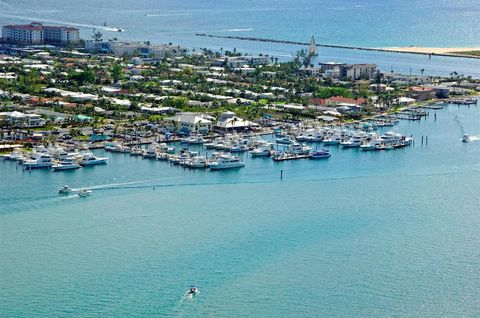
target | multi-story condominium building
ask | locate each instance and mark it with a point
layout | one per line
(142, 49)
(37, 33)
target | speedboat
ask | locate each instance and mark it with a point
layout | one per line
(466, 138)
(39, 160)
(90, 159)
(68, 163)
(84, 193)
(192, 291)
(320, 154)
(65, 190)
(226, 162)
(285, 140)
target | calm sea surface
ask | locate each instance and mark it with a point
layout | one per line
(371, 23)
(361, 234)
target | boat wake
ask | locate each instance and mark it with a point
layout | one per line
(460, 125)
(237, 30)
(167, 14)
(81, 25)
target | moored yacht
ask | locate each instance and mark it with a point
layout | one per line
(320, 154)
(67, 163)
(90, 159)
(355, 141)
(40, 160)
(226, 162)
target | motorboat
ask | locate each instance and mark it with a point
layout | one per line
(332, 140)
(150, 152)
(192, 291)
(320, 154)
(40, 160)
(394, 138)
(82, 193)
(198, 162)
(262, 151)
(16, 155)
(284, 140)
(298, 149)
(238, 148)
(466, 138)
(372, 144)
(226, 162)
(355, 141)
(66, 189)
(194, 140)
(68, 163)
(89, 159)
(136, 151)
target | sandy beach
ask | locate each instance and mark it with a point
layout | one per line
(454, 51)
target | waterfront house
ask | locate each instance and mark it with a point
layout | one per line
(228, 121)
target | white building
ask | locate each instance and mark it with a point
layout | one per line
(240, 61)
(144, 50)
(37, 33)
(18, 119)
(190, 123)
(358, 71)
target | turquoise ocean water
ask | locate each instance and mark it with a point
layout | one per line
(382, 234)
(370, 23)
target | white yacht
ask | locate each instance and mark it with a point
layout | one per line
(355, 141)
(332, 140)
(372, 144)
(226, 162)
(298, 149)
(262, 151)
(16, 155)
(150, 152)
(89, 159)
(194, 140)
(198, 162)
(238, 148)
(394, 138)
(67, 163)
(320, 154)
(40, 160)
(285, 140)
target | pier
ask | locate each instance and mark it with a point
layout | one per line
(333, 46)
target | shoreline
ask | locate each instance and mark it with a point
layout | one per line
(429, 51)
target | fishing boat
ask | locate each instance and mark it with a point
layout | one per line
(466, 138)
(320, 154)
(67, 163)
(40, 160)
(89, 159)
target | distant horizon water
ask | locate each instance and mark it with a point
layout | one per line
(366, 23)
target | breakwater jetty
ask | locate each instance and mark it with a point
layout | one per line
(334, 46)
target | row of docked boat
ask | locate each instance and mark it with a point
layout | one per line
(348, 139)
(58, 159)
